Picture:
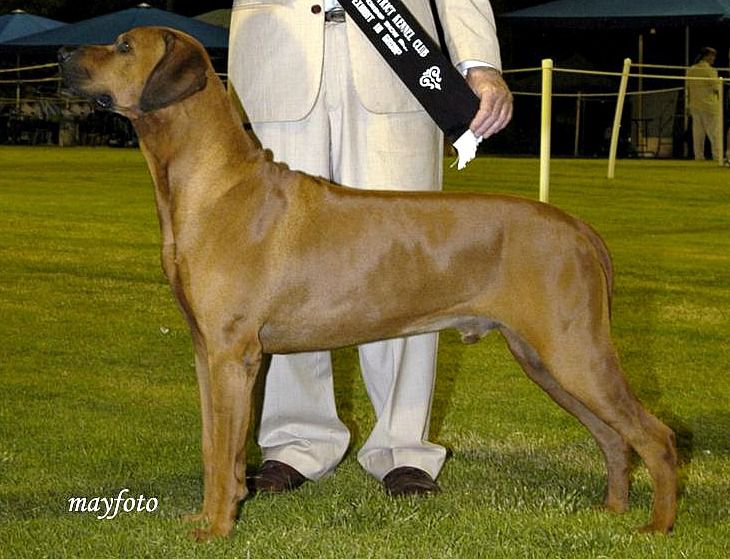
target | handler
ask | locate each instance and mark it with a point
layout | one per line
(322, 99)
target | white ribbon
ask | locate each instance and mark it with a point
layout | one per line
(466, 149)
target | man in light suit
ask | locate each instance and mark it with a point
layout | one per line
(704, 106)
(323, 100)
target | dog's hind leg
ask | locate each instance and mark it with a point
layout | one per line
(233, 372)
(583, 361)
(615, 450)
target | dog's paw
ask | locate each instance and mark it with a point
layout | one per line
(201, 535)
(195, 518)
(616, 506)
(212, 531)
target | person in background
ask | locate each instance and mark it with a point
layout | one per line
(703, 104)
(321, 98)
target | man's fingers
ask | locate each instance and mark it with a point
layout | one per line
(494, 114)
(495, 105)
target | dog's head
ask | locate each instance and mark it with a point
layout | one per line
(145, 69)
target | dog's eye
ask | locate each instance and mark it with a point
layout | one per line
(123, 47)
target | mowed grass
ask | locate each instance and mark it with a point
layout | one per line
(98, 391)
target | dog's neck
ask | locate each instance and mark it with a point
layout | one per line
(175, 133)
(177, 144)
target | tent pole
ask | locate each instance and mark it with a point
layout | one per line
(685, 149)
(720, 125)
(576, 143)
(17, 85)
(640, 109)
(545, 128)
(617, 118)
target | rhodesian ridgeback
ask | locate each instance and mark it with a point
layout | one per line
(263, 260)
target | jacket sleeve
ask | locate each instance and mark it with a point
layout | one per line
(470, 30)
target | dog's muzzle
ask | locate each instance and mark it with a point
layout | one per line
(71, 73)
(75, 75)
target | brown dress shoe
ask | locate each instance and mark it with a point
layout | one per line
(406, 480)
(276, 477)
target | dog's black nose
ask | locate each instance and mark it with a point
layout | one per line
(64, 53)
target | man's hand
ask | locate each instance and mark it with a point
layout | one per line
(495, 107)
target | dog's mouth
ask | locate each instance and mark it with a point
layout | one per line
(76, 77)
(74, 80)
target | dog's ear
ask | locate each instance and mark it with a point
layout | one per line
(179, 73)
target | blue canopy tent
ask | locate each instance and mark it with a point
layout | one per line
(623, 14)
(221, 17)
(104, 29)
(20, 24)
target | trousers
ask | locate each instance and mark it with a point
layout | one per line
(706, 124)
(342, 141)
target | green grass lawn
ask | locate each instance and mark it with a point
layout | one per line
(98, 391)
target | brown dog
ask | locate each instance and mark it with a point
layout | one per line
(256, 254)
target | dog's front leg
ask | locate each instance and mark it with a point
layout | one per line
(232, 375)
(206, 412)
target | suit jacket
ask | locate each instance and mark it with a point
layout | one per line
(703, 95)
(276, 52)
